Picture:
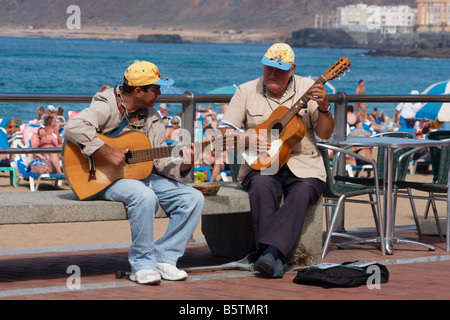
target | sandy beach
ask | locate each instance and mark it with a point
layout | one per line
(132, 33)
(67, 234)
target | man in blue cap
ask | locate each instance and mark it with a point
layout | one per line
(131, 107)
(301, 179)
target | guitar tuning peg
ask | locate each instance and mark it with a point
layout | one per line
(348, 70)
(339, 77)
(343, 74)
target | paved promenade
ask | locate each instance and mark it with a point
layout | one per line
(42, 273)
(33, 268)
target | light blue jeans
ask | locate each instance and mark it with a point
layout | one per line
(182, 203)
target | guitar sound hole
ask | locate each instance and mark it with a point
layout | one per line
(128, 157)
(276, 130)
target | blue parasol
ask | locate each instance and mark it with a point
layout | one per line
(4, 122)
(171, 90)
(232, 89)
(330, 88)
(436, 111)
(438, 88)
(224, 90)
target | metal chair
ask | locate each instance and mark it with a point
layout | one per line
(235, 159)
(336, 194)
(437, 190)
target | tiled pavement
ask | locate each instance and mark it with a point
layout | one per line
(415, 274)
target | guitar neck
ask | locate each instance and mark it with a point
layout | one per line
(301, 103)
(143, 155)
(150, 154)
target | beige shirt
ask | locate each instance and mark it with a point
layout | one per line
(103, 116)
(251, 106)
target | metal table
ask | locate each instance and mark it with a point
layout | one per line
(390, 144)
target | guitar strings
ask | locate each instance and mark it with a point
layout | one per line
(142, 155)
(303, 100)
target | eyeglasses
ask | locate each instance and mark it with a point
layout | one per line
(174, 122)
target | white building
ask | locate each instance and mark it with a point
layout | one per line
(398, 19)
(384, 19)
(352, 17)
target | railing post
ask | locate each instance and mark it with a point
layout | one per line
(188, 121)
(340, 133)
(340, 117)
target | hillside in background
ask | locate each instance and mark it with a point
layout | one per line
(274, 15)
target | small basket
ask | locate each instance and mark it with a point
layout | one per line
(207, 189)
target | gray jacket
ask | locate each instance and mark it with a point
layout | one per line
(103, 116)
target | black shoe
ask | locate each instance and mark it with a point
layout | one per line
(280, 268)
(265, 265)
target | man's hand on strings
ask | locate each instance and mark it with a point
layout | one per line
(318, 93)
(116, 157)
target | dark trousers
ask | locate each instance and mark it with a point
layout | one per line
(275, 225)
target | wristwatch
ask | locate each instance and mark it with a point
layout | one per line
(326, 111)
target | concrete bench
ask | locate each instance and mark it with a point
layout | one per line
(226, 219)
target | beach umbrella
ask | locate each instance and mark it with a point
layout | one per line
(4, 122)
(438, 88)
(224, 90)
(4, 140)
(436, 111)
(330, 88)
(232, 89)
(171, 90)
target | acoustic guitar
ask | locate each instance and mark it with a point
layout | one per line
(88, 176)
(285, 128)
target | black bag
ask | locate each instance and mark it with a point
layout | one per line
(345, 275)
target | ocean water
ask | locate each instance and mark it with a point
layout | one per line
(45, 65)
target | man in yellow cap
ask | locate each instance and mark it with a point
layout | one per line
(301, 179)
(130, 107)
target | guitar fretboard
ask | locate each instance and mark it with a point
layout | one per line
(301, 103)
(143, 155)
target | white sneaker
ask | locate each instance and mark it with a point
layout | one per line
(171, 272)
(145, 277)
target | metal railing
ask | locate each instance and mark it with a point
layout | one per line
(189, 101)
(341, 101)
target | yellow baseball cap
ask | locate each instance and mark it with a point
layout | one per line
(279, 55)
(143, 73)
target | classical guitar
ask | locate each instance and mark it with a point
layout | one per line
(285, 127)
(88, 176)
